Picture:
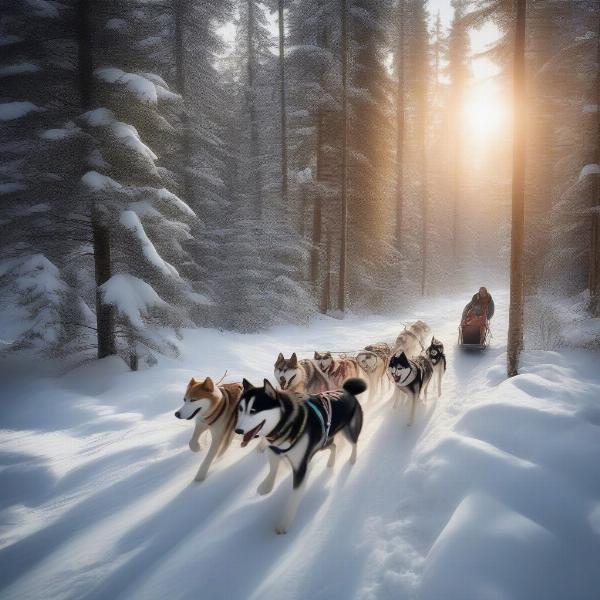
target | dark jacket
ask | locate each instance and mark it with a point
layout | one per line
(477, 306)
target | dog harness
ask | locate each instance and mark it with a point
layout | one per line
(312, 402)
(285, 430)
(414, 336)
(324, 399)
(223, 405)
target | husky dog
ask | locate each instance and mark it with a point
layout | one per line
(412, 339)
(383, 350)
(437, 358)
(410, 377)
(299, 376)
(215, 408)
(337, 370)
(374, 364)
(369, 362)
(296, 427)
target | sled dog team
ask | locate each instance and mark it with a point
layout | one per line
(315, 400)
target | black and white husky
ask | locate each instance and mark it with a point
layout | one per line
(410, 376)
(437, 358)
(296, 427)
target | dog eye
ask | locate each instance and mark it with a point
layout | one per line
(252, 411)
(240, 408)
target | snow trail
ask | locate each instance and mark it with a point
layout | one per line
(101, 502)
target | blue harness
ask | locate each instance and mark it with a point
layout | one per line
(325, 399)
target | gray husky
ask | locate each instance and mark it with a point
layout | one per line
(296, 427)
(301, 376)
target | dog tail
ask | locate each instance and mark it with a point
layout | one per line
(354, 386)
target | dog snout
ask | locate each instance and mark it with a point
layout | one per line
(282, 382)
(178, 415)
(239, 431)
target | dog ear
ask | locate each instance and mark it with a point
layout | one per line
(403, 360)
(208, 385)
(192, 381)
(246, 385)
(280, 359)
(293, 360)
(317, 355)
(269, 389)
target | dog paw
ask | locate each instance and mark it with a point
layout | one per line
(195, 446)
(264, 488)
(200, 477)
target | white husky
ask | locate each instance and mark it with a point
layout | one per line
(412, 339)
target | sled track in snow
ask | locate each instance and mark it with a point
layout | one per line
(103, 504)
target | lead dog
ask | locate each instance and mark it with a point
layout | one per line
(412, 339)
(410, 376)
(296, 428)
(215, 408)
(299, 376)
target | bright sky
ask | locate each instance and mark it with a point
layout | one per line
(485, 111)
(480, 39)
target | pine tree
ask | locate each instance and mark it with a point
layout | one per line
(283, 105)
(458, 70)
(344, 152)
(400, 121)
(594, 262)
(515, 327)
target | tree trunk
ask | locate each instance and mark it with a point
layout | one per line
(515, 323)
(102, 267)
(594, 267)
(251, 103)
(85, 67)
(456, 187)
(400, 130)
(344, 174)
(100, 233)
(283, 108)
(181, 8)
(315, 251)
(425, 200)
(326, 291)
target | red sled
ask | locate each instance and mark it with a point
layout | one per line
(474, 332)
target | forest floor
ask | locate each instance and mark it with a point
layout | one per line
(494, 493)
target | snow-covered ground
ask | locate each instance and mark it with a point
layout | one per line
(493, 494)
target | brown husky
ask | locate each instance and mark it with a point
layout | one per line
(337, 370)
(215, 408)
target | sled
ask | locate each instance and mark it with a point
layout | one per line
(474, 333)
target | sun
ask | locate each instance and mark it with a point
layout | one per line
(485, 111)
